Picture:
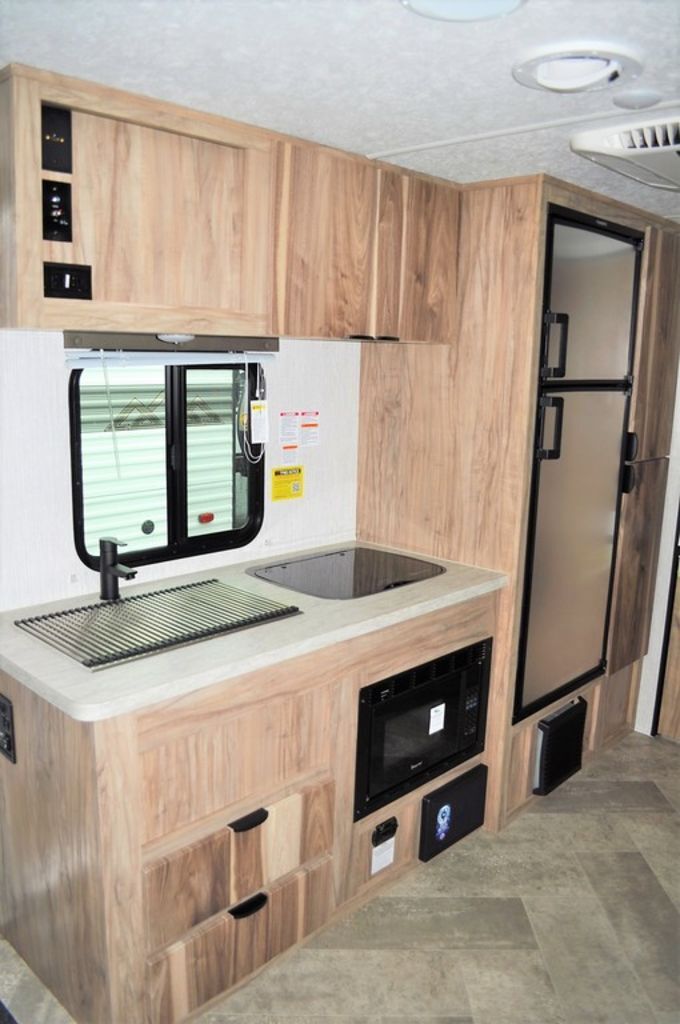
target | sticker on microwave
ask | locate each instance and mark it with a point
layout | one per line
(437, 718)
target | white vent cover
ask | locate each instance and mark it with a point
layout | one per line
(646, 150)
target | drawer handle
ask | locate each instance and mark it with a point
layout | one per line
(250, 820)
(249, 907)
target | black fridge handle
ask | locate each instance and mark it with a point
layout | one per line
(629, 479)
(562, 320)
(632, 446)
(557, 403)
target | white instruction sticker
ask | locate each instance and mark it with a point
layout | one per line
(259, 422)
(437, 718)
(383, 855)
(289, 429)
(309, 428)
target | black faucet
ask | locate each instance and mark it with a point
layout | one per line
(110, 569)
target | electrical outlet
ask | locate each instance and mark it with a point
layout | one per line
(7, 740)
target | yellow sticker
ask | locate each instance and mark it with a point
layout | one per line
(287, 482)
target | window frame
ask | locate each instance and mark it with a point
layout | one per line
(179, 545)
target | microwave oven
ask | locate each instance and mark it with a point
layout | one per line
(417, 724)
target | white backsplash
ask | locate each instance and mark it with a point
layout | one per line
(38, 561)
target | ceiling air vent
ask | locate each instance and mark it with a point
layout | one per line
(646, 150)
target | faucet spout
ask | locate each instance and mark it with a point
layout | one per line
(111, 570)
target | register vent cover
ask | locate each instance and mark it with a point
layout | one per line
(560, 746)
(647, 150)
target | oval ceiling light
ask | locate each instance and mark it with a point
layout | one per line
(462, 10)
(577, 69)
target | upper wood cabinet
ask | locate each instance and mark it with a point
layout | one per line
(363, 251)
(171, 210)
(325, 240)
(658, 346)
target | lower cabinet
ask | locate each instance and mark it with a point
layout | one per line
(187, 887)
(227, 948)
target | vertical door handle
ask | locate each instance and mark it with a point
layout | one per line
(556, 403)
(632, 446)
(562, 320)
(629, 479)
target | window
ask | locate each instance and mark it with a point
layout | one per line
(161, 460)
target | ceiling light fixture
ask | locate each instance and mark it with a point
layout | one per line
(576, 69)
(462, 10)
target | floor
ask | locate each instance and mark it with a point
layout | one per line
(570, 916)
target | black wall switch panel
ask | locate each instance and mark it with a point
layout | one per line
(56, 210)
(56, 139)
(7, 742)
(67, 281)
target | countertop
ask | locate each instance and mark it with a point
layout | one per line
(92, 696)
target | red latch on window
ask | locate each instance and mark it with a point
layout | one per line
(206, 517)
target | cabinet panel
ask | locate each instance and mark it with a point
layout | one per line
(327, 212)
(658, 348)
(387, 281)
(228, 948)
(210, 765)
(428, 303)
(187, 887)
(177, 225)
(639, 536)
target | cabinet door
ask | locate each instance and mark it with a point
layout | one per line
(656, 363)
(636, 560)
(226, 949)
(428, 301)
(187, 887)
(170, 221)
(325, 244)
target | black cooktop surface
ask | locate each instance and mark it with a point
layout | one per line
(351, 572)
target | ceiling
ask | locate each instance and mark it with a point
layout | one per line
(368, 75)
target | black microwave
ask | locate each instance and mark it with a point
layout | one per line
(417, 724)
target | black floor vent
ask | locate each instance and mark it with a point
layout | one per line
(560, 746)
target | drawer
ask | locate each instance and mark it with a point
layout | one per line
(200, 880)
(223, 951)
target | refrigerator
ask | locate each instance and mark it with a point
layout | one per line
(581, 444)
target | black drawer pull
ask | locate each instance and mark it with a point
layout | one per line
(360, 337)
(249, 907)
(250, 820)
(387, 337)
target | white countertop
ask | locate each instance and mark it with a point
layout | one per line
(91, 696)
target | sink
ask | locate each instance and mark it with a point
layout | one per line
(111, 632)
(348, 572)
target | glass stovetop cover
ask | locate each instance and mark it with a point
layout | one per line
(351, 572)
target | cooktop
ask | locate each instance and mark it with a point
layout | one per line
(350, 572)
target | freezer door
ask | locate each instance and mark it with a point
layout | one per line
(575, 511)
(587, 330)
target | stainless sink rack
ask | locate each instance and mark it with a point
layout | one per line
(108, 633)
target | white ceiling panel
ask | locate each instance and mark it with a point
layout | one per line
(365, 75)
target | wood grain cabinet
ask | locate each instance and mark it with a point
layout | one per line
(363, 251)
(190, 885)
(171, 210)
(637, 556)
(658, 346)
(229, 947)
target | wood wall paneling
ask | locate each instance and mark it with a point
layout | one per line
(389, 254)
(636, 562)
(52, 900)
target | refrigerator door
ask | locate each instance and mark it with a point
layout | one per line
(575, 509)
(587, 333)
